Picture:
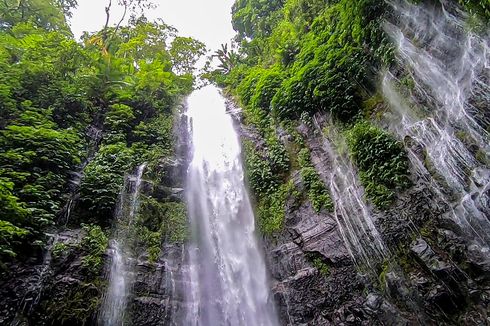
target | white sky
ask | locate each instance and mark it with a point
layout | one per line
(208, 21)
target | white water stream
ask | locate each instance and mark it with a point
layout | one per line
(115, 300)
(449, 69)
(228, 280)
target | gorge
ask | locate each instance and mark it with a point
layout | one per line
(336, 172)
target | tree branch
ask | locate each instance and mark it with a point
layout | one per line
(126, 4)
(108, 15)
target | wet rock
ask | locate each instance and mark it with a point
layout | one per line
(319, 233)
(147, 311)
(286, 260)
(396, 286)
(429, 259)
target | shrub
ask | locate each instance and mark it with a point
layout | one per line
(317, 193)
(94, 245)
(272, 208)
(103, 179)
(382, 161)
(266, 87)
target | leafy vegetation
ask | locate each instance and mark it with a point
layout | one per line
(480, 8)
(160, 221)
(77, 305)
(93, 245)
(317, 193)
(296, 58)
(266, 172)
(272, 208)
(310, 56)
(102, 106)
(318, 261)
(382, 162)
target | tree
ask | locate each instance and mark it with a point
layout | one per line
(46, 14)
(228, 59)
(185, 52)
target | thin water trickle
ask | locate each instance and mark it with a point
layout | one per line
(354, 219)
(446, 112)
(114, 303)
(33, 296)
(227, 275)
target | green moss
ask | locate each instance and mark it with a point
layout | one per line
(176, 223)
(482, 157)
(385, 268)
(159, 221)
(374, 106)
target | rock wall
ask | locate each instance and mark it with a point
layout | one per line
(433, 274)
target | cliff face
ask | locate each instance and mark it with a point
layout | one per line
(366, 142)
(365, 135)
(435, 274)
(61, 286)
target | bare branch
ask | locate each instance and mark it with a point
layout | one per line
(122, 18)
(108, 15)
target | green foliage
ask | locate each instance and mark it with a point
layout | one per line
(123, 80)
(477, 7)
(176, 222)
(266, 87)
(265, 172)
(12, 210)
(318, 261)
(307, 56)
(185, 52)
(9, 234)
(59, 249)
(272, 208)
(156, 132)
(259, 171)
(103, 179)
(326, 84)
(47, 14)
(382, 161)
(35, 160)
(160, 221)
(94, 245)
(118, 118)
(252, 18)
(78, 305)
(317, 193)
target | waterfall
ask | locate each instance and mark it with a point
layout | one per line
(445, 115)
(227, 274)
(33, 295)
(353, 216)
(115, 299)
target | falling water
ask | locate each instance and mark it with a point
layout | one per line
(355, 221)
(32, 296)
(115, 300)
(228, 281)
(444, 115)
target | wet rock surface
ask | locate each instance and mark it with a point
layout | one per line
(433, 275)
